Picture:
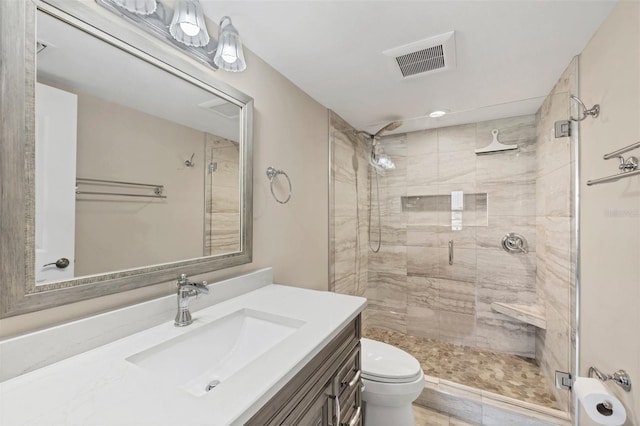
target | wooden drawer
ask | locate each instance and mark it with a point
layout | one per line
(315, 415)
(351, 407)
(348, 376)
(303, 393)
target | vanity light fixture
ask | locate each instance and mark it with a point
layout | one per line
(139, 7)
(229, 55)
(188, 26)
(185, 29)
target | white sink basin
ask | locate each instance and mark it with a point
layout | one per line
(210, 354)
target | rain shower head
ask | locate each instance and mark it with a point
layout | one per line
(389, 127)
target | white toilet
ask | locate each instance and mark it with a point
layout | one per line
(392, 380)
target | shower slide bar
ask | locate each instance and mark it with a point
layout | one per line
(628, 167)
(157, 189)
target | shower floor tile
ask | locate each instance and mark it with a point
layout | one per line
(509, 375)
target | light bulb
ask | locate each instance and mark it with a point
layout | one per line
(189, 28)
(229, 54)
(437, 114)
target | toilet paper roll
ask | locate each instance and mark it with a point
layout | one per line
(593, 396)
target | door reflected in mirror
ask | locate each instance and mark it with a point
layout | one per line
(135, 166)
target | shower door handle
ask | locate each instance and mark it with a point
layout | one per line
(61, 263)
(450, 252)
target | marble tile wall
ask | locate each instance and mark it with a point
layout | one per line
(412, 287)
(555, 245)
(222, 197)
(349, 204)
(409, 283)
(389, 298)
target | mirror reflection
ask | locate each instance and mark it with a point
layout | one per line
(134, 166)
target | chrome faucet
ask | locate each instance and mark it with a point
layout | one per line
(187, 290)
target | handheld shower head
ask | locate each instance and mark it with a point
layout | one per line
(378, 159)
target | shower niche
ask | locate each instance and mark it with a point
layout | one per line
(457, 209)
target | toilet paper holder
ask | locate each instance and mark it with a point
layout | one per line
(620, 377)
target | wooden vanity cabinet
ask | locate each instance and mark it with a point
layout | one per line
(328, 387)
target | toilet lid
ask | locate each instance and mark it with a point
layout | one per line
(385, 363)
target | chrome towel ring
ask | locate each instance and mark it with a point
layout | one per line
(271, 174)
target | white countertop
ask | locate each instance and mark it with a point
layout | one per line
(99, 387)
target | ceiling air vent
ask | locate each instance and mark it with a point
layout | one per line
(222, 108)
(424, 56)
(424, 60)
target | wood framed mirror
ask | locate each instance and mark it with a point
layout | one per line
(123, 162)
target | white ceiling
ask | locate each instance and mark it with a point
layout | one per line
(509, 53)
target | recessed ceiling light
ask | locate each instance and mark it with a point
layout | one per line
(436, 114)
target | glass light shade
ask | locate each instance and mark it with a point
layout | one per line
(139, 7)
(188, 26)
(229, 55)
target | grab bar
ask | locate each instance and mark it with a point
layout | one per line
(613, 178)
(628, 167)
(157, 189)
(117, 182)
(621, 151)
(122, 194)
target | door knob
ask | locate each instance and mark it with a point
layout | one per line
(61, 263)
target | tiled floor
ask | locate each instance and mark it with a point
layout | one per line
(507, 375)
(426, 417)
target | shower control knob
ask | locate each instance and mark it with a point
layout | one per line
(514, 243)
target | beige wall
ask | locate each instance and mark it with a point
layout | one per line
(116, 233)
(290, 133)
(610, 212)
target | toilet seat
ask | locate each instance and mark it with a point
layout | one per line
(387, 364)
(391, 379)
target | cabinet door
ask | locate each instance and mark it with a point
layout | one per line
(351, 409)
(315, 394)
(317, 414)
